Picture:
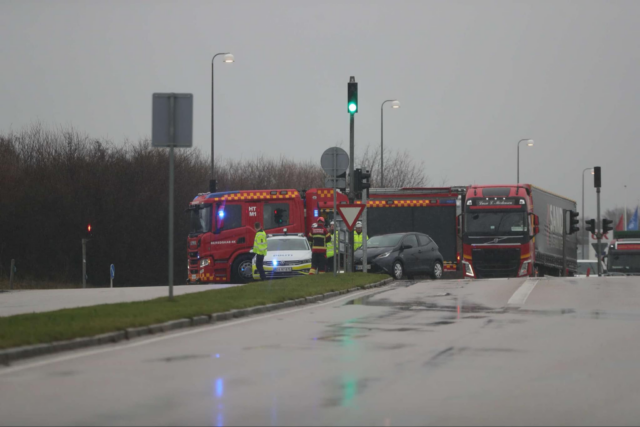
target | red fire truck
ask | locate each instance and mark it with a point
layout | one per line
(222, 232)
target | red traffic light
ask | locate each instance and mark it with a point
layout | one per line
(89, 228)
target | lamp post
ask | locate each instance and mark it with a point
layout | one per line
(227, 58)
(583, 228)
(530, 144)
(394, 104)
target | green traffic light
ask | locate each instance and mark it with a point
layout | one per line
(353, 107)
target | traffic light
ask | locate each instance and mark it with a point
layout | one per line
(597, 177)
(365, 175)
(591, 226)
(357, 181)
(573, 222)
(606, 225)
(88, 234)
(278, 216)
(352, 97)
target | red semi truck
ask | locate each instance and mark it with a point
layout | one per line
(222, 232)
(514, 231)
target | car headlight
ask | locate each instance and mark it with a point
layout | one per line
(384, 255)
(468, 270)
(204, 262)
(306, 261)
(525, 268)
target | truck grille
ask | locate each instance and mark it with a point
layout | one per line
(489, 263)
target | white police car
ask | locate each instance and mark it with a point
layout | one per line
(287, 255)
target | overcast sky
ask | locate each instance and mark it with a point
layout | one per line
(473, 78)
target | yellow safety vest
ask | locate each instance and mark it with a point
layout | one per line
(260, 243)
(357, 240)
(329, 249)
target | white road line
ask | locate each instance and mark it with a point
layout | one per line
(521, 294)
(10, 370)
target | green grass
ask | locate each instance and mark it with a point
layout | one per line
(47, 327)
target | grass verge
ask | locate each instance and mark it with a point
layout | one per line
(47, 327)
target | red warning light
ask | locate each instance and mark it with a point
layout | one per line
(89, 228)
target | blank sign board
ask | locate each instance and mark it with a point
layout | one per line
(172, 121)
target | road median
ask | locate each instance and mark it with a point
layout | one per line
(37, 334)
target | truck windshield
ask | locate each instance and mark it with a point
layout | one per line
(386, 241)
(200, 220)
(625, 263)
(496, 223)
(287, 245)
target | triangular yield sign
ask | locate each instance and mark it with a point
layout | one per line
(350, 214)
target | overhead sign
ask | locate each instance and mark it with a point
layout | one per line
(350, 214)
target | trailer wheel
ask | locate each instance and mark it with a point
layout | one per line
(398, 270)
(436, 272)
(241, 269)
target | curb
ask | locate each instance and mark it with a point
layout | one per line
(25, 352)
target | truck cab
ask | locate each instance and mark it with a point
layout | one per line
(623, 256)
(499, 229)
(222, 230)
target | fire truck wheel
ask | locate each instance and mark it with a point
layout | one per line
(436, 273)
(241, 269)
(398, 270)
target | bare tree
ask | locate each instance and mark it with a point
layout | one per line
(400, 168)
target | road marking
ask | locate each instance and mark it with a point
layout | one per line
(521, 294)
(10, 370)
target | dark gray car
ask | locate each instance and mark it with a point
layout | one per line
(402, 254)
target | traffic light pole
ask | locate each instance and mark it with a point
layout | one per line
(352, 190)
(598, 232)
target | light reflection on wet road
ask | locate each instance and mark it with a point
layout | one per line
(429, 353)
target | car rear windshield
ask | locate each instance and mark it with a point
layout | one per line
(287, 245)
(386, 241)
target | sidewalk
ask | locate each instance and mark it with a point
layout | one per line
(30, 301)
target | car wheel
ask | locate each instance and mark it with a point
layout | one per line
(398, 270)
(241, 269)
(437, 270)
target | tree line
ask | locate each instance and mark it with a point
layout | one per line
(54, 182)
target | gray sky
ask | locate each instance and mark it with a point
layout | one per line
(473, 78)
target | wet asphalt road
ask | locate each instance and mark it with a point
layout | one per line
(492, 352)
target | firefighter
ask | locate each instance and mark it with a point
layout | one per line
(319, 236)
(357, 236)
(330, 249)
(260, 249)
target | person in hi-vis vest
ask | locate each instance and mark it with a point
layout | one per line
(357, 236)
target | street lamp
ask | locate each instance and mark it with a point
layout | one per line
(228, 57)
(583, 228)
(530, 144)
(394, 104)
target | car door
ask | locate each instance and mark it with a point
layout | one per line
(409, 253)
(426, 253)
